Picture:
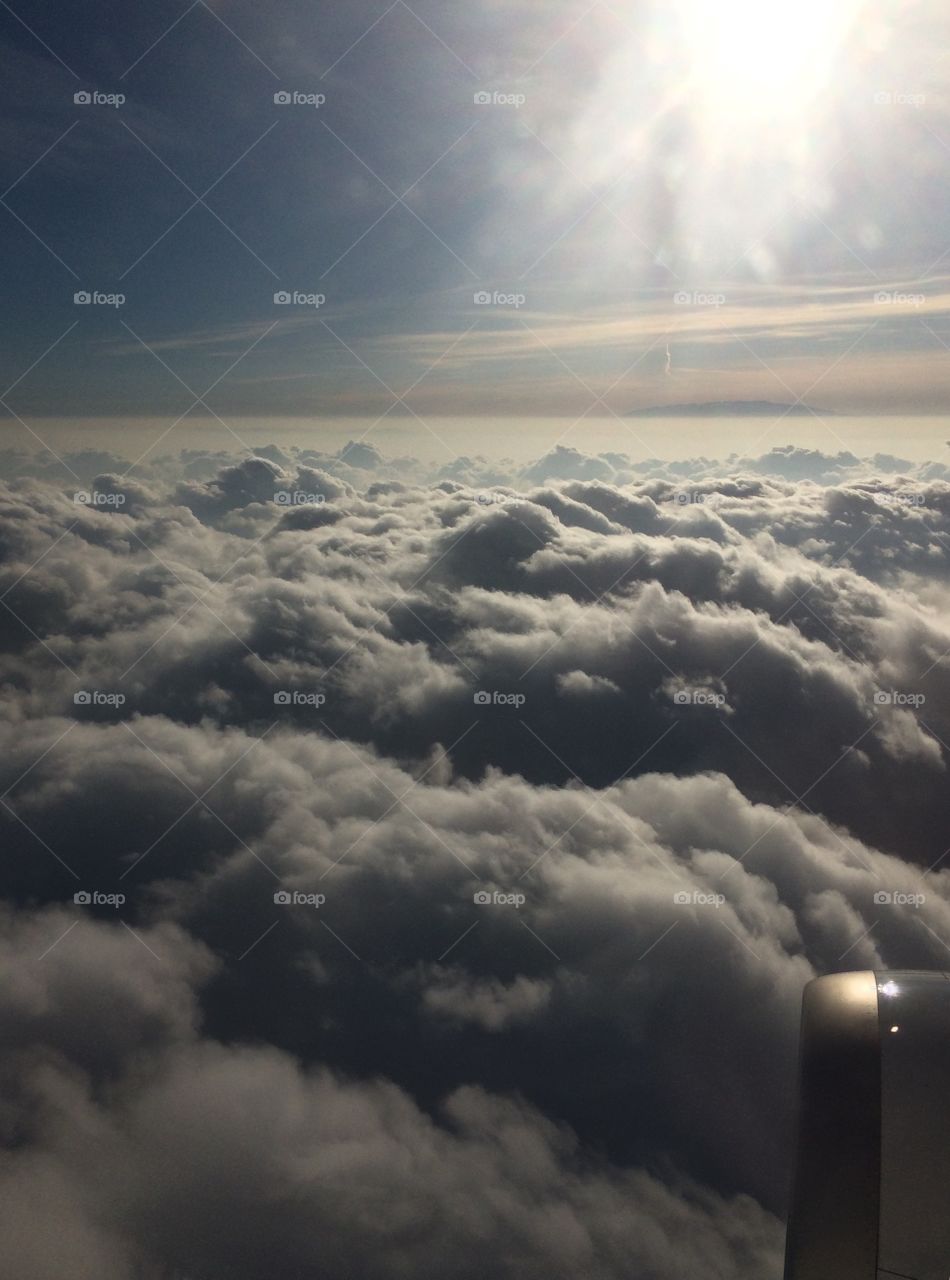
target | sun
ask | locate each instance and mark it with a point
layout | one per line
(754, 60)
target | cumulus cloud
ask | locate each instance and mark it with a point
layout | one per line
(238, 1161)
(451, 852)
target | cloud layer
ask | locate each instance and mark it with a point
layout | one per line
(572, 778)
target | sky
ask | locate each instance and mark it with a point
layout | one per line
(474, 209)
(425, 787)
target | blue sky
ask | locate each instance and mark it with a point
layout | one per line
(634, 213)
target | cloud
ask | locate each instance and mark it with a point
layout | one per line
(231, 1160)
(571, 782)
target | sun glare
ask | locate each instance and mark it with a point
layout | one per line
(759, 59)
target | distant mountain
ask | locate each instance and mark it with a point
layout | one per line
(729, 409)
